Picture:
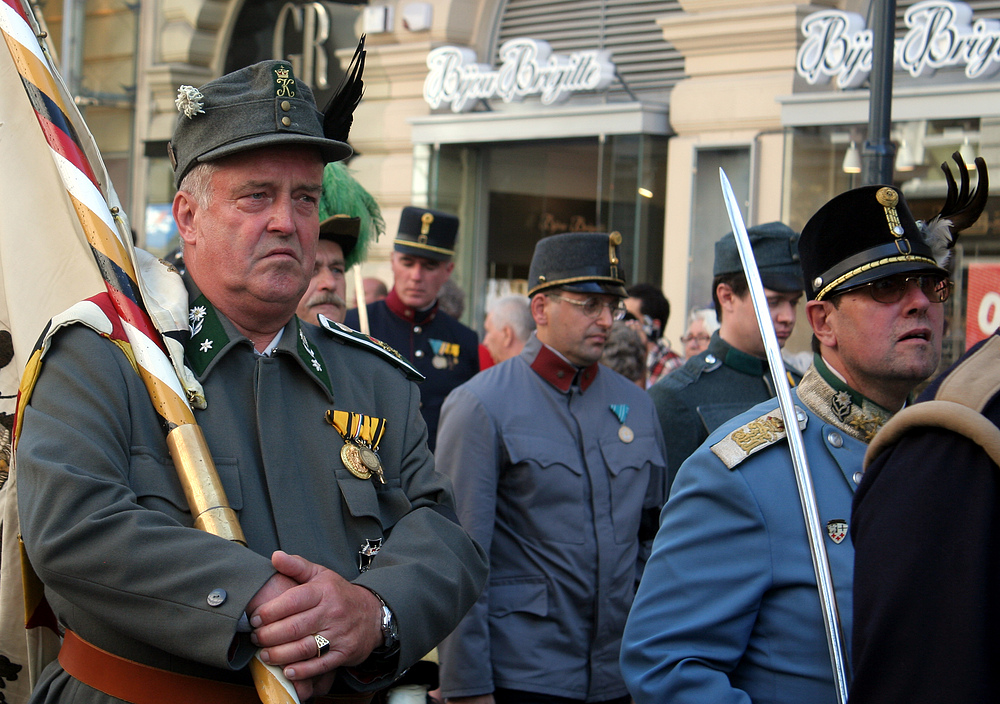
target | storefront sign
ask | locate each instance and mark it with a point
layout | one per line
(982, 315)
(941, 34)
(528, 67)
(312, 20)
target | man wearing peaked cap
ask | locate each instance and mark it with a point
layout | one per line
(732, 375)
(557, 464)
(728, 606)
(410, 320)
(306, 424)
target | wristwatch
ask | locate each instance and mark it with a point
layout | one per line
(390, 640)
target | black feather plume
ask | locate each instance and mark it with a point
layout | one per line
(961, 209)
(338, 115)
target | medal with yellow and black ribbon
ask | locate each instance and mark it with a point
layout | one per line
(361, 435)
(625, 433)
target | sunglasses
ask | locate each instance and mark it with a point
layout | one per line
(891, 289)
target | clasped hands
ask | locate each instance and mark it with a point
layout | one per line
(304, 599)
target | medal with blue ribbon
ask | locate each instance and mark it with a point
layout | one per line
(625, 433)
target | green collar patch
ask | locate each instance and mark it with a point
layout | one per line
(311, 358)
(208, 335)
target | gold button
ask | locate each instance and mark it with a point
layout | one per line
(285, 105)
(286, 121)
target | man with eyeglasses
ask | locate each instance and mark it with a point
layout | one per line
(728, 608)
(732, 375)
(557, 464)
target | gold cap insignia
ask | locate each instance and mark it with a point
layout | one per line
(889, 199)
(425, 225)
(614, 239)
(285, 82)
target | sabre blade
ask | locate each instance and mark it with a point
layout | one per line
(803, 477)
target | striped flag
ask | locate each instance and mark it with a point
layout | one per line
(46, 265)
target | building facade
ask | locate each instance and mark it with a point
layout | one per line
(531, 117)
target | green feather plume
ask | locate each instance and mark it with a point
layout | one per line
(343, 195)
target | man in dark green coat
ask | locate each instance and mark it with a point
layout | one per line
(732, 375)
(355, 565)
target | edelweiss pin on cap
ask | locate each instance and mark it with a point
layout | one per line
(262, 105)
(426, 233)
(585, 262)
(862, 235)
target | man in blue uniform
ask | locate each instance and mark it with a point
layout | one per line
(410, 320)
(731, 375)
(557, 464)
(728, 609)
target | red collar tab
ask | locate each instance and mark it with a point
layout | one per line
(407, 313)
(560, 373)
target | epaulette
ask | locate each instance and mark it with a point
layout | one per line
(759, 433)
(359, 339)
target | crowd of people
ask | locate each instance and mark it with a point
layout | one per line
(571, 511)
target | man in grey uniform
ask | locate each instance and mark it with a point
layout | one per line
(557, 464)
(353, 571)
(731, 375)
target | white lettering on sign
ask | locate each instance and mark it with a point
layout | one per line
(528, 67)
(989, 313)
(941, 34)
(313, 21)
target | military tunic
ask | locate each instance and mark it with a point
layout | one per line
(711, 387)
(927, 570)
(107, 527)
(441, 348)
(545, 482)
(728, 609)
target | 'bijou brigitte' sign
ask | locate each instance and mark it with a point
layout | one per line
(941, 34)
(528, 68)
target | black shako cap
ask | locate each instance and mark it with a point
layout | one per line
(262, 105)
(426, 233)
(776, 250)
(584, 262)
(862, 235)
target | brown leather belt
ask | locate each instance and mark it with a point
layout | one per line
(141, 684)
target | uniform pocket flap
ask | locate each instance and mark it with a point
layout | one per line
(542, 451)
(530, 595)
(631, 455)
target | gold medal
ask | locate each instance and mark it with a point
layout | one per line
(439, 362)
(350, 455)
(625, 434)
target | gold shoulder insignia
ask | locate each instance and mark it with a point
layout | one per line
(359, 339)
(754, 436)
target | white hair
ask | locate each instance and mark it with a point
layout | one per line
(706, 316)
(514, 311)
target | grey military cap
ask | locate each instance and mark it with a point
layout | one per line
(262, 105)
(585, 262)
(776, 249)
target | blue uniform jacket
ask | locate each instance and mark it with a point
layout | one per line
(728, 609)
(441, 348)
(555, 490)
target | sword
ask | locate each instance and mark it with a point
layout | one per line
(803, 478)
